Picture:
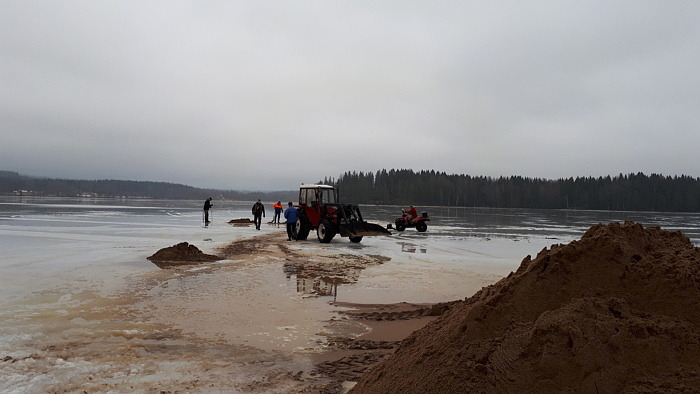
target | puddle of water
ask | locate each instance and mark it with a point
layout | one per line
(171, 332)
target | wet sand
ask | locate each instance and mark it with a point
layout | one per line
(347, 357)
(350, 337)
(273, 316)
(355, 338)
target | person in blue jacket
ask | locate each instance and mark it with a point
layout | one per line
(292, 215)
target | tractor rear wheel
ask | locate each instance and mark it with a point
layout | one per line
(302, 228)
(421, 226)
(325, 232)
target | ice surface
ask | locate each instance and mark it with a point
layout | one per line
(83, 309)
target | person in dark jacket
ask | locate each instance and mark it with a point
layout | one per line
(292, 215)
(207, 207)
(258, 213)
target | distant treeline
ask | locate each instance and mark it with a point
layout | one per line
(12, 183)
(632, 192)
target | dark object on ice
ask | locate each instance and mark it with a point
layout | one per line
(241, 222)
(181, 254)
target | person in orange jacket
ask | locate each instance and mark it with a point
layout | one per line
(278, 211)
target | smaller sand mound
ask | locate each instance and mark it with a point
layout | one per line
(181, 254)
(241, 222)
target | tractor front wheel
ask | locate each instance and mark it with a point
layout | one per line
(325, 232)
(356, 239)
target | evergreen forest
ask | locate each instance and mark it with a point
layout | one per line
(631, 192)
(624, 192)
(12, 183)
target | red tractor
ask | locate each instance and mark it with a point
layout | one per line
(320, 209)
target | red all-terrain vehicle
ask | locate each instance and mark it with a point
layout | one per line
(320, 209)
(419, 222)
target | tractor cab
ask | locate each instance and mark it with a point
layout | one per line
(312, 194)
(312, 199)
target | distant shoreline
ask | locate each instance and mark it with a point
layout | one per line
(625, 193)
(15, 184)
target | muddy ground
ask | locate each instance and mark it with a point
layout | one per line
(365, 334)
(272, 316)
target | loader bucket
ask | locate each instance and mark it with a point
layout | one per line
(361, 229)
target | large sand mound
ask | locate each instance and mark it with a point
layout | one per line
(617, 311)
(181, 254)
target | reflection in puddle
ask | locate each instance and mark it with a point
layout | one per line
(323, 278)
(411, 248)
(318, 286)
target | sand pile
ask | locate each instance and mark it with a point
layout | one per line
(241, 222)
(617, 311)
(181, 254)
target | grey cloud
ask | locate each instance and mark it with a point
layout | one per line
(271, 94)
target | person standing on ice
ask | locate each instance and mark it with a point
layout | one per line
(258, 213)
(207, 207)
(278, 211)
(292, 215)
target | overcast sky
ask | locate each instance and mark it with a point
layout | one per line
(265, 95)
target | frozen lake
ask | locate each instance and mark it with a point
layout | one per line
(82, 308)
